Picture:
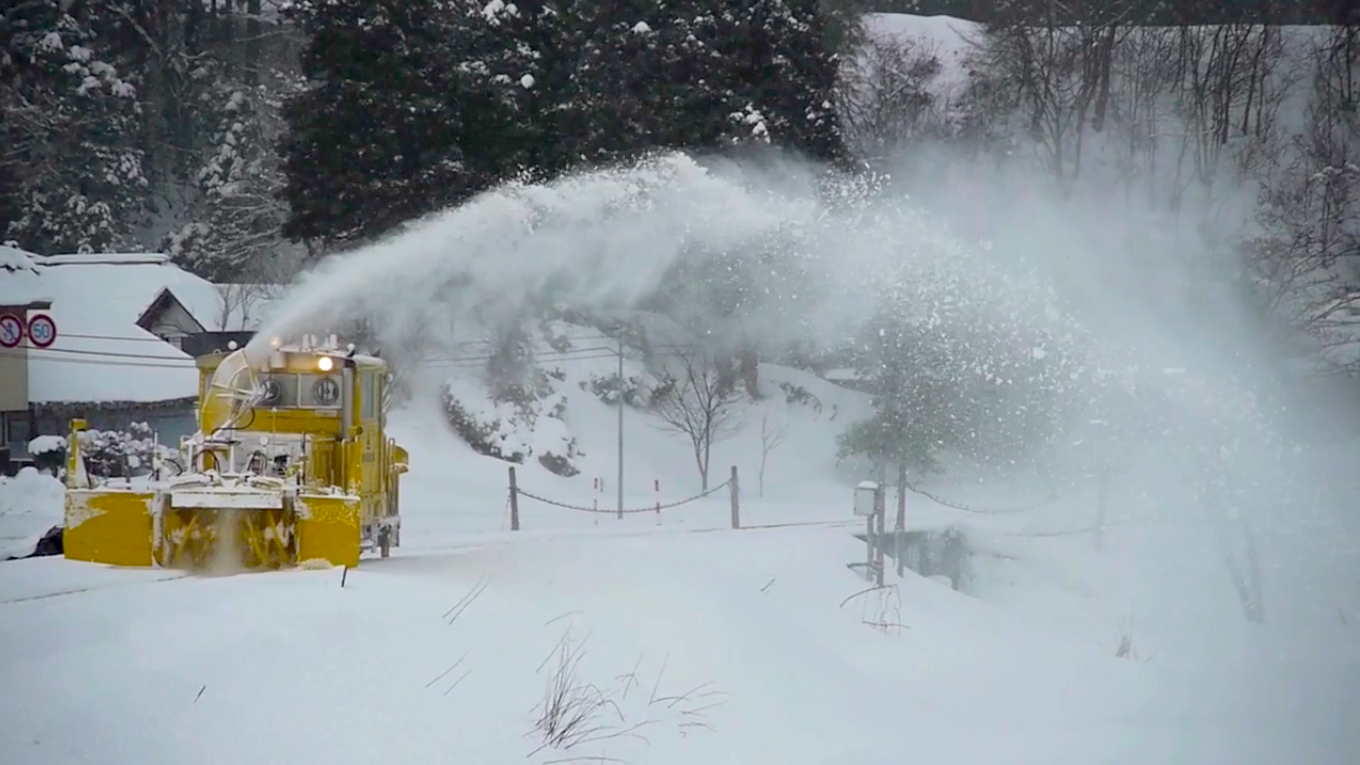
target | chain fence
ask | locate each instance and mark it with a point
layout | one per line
(627, 511)
(971, 509)
(974, 510)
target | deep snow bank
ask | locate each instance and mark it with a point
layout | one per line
(30, 504)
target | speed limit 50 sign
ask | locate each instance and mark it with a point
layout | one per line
(42, 331)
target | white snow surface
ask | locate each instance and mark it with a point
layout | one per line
(46, 444)
(30, 504)
(13, 260)
(705, 644)
(948, 38)
(100, 353)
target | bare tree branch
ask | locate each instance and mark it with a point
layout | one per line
(699, 404)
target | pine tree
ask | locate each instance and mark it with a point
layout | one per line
(698, 75)
(779, 63)
(376, 140)
(512, 67)
(235, 230)
(418, 105)
(71, 176)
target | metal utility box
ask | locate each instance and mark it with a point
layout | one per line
(866, 499)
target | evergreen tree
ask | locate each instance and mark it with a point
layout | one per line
(418, 105)
(236, 221)
(71, 176)
(700, 75)
(376, 140)
(513, 68)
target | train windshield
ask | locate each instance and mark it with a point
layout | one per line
(300, 390)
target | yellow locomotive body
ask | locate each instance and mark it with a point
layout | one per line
(291, 465)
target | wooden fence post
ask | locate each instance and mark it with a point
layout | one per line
(514, 501)
(736, 499)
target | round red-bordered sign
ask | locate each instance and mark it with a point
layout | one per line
(42, 331)
(11, 331)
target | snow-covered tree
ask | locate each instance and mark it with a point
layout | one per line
(375, 140)
(236, 226)
(415, 106)
(71, 177)
(964, 351)
(702, 76)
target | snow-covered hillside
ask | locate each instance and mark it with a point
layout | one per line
(799, 414)
(672, 638)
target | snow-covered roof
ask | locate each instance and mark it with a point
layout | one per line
(13, 260)
(100, 353)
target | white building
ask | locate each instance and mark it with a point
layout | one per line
(121, 323)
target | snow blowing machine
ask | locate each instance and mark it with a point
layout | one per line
(290, 467)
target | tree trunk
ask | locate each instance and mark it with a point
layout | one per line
(252, 63)
(703, 467)
(699, 461)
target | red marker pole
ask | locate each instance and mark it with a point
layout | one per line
(656, 487)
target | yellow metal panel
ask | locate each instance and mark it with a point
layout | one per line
(296, 420)
(321, 463)
(328, 528)
(108, 526)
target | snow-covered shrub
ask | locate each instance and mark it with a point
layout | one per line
(48, 453)
(553, 444)
(556, 340)
(798, 395)
(486, 426)
(119, 453)
(607, 389)
(528, 425)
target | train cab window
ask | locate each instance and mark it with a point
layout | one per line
(368, 395)
(320, 391)
(279, 391)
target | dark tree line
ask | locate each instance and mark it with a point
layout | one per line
(145, 124)
(417, 105)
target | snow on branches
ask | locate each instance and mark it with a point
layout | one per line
(71, 119)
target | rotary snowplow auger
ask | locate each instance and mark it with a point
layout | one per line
(290, 465)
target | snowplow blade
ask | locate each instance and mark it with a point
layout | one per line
(328, 528)
(113, 527)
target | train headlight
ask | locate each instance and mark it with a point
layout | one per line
(325, 363)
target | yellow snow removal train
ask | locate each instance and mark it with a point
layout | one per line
(291, 466)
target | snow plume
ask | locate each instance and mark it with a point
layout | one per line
(601, 239)
(608, 238)
(830, 255)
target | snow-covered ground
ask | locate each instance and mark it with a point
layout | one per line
(672, 638)
(743, 647)
(30, 504)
